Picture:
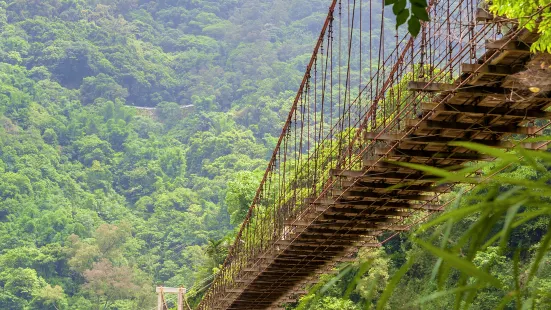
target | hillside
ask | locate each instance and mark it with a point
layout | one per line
(99, 204)
(134, 134)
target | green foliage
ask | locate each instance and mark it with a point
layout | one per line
(50, 297)
(531, 14)
(241, 192)
(97, 197)
(414, 14)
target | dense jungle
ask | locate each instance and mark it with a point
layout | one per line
(103, 198)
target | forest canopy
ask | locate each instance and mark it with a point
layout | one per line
(101, 200)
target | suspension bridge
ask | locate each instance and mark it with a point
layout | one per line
(373, 94)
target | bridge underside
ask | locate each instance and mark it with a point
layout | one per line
(497, 102)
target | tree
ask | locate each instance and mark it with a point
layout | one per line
(169, 112)
(90, 148)
(107, 283)
(240, 194)
(333, 303)
(14, 185)
(83, 254)
(217, 250)
(21, 282)
(373, 283)
(50, 136)
(101, 86)
(50, 296)
(111, 238)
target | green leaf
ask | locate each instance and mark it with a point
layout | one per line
(455, 214)
(461, 264)
(527, 183)
(530, 159)
(362, 270)
(516, 276)
(420, 12)
(539, 154)
(402, 18)
(507, 299)
(414, 26)
(526, 216)
(334, 280)
(543, 249)
(381, 304)
(511, 213)
(389, 2)
(439, 172)
(421, 3)
(436, 269)
(441, 294)
(484, 149)
(537, 139)
(399, 6)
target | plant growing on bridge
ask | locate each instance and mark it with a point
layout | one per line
(524, 11)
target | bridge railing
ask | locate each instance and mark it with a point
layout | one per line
(355, 83)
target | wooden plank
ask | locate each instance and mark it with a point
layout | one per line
(402, 188)
(439, 140)
(403, 205)
(294, 223)
(351, 210)
(366, 175)
(321, 247)
(445, 87)
(370, 229)
(287, 265)
(503, 129)
(483, 16)
(498, 70)
(508, 45)
(430, 87)
(366, 215)
(308, 252)
(343, 231)
(382, 196)
(290, 259)
(373, 226)
(270, 273)
(381, 164)
(369, 204)
(355, 211)
(383, 136)
(171, 290)
(234, 290)
(483, 111)
(333, 243)
(314, 238)
(432, 155)
(318, 260)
